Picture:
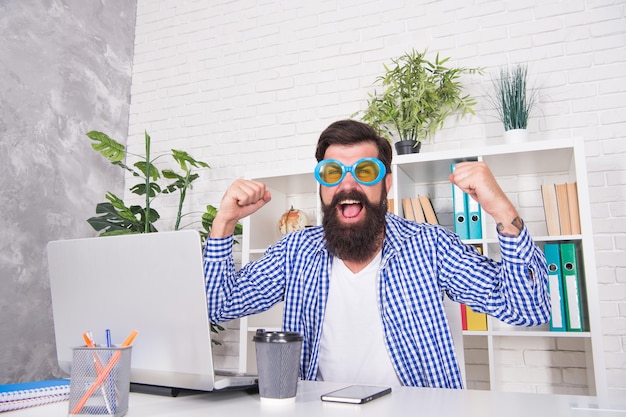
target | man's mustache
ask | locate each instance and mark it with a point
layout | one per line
(350, 195)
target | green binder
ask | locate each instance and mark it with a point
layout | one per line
(555, 286)
(571, 288)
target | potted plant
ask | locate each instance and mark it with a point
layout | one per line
(116, 218)
(514, 101)
(417, 97)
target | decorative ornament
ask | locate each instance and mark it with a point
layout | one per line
(292, 220)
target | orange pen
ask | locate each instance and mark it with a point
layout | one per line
(105, 373)
(87, 336)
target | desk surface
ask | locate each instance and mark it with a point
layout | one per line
(421, 402)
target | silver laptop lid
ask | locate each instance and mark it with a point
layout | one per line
(150, 282)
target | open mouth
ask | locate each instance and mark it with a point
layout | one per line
(350, 208)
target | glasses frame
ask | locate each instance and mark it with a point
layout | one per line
(382, 171)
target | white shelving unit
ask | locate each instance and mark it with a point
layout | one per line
(520, 170)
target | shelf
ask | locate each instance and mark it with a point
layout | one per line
(504, 333)
(547, 157)
(537, 239)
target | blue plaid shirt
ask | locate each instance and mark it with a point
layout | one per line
(420, 262)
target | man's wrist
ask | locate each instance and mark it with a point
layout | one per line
(512, 229)
(222, 228)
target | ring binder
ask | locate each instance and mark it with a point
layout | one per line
(474, 218)
(555, 287)
(571, 287)
(459, 202)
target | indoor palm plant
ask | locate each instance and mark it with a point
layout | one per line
(416, 97)
(513, 100)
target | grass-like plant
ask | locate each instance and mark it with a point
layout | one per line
(417, 97)
(512, 99)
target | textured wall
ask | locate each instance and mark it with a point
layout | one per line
(65, 69)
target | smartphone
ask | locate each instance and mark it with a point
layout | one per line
(356, 394)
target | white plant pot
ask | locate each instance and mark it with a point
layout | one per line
(516, 136)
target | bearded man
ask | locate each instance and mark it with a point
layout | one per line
(365, 289)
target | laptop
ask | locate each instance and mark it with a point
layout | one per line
(153, 283)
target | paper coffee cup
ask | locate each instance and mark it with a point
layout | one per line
(278, 364)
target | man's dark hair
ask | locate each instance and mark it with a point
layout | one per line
(350, 132)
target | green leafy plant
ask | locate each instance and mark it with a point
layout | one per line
(417, 97)
(116, 218)
(512, 99)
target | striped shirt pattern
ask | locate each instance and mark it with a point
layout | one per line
(420, 263)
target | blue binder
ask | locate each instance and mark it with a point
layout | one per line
(555, 287)
(459, 205)
(474, 218)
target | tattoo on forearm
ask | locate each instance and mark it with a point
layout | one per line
(517, 222)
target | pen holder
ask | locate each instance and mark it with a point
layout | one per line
(100, 381)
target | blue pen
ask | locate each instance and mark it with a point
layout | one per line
(107, 334)
(108, 337)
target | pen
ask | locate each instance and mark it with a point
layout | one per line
(101, 377)
(89, 339)
(111, 382)
(88, 336)
(129, 339)
(108, 337)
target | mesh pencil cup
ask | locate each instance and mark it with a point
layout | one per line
(100, 381)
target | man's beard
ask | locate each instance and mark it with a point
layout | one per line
(357, 242)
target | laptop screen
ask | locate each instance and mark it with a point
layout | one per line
(153, 283)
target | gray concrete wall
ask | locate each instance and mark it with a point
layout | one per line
(65, 69)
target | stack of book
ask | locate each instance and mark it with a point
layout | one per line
(30, 394)
(560, 204)
(419, 209)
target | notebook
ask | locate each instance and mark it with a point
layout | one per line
(32, 393)
(153, 283)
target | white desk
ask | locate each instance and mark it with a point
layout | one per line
(422, 402)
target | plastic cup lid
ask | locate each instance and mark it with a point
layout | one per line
(276, 337)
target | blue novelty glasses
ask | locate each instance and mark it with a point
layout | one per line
(366, 171)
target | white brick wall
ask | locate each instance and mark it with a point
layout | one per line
(251, 84)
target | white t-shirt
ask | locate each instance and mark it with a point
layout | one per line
(353, 349)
